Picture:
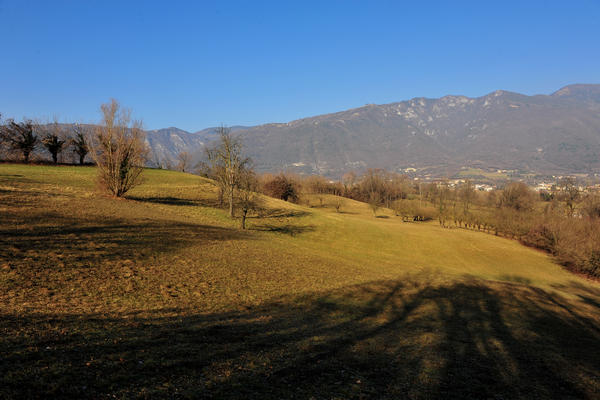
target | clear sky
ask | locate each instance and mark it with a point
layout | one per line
(198, 64)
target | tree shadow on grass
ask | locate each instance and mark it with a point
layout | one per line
(515, 278)
(175, 201)
(10, 197)
(11, 179)
(287, 229)
(347, 212)
(392, 339)
(281, 213)
(43, 240)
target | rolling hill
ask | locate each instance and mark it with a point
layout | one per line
(160, 295)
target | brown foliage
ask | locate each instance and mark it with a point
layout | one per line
(281, 187)
(518, 196)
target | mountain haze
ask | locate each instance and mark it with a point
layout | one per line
(167, 143)
(552, 133)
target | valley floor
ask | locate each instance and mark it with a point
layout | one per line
(161, 295)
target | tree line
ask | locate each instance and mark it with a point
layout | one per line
(564, 222)
(20, 140)
(116, 146)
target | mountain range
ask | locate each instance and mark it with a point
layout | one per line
(556, 133)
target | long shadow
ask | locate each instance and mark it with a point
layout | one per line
(15, 179)
(174, 201)
(23, 198)
(287, 229)
(281, 213)
(392, 339)
(41, 240)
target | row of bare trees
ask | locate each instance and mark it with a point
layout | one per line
(22, 139)
(118, 149)
(117, 145)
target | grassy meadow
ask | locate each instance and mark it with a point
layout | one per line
(161, 295)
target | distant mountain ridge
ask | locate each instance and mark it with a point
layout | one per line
(552, 133)
(167, 143)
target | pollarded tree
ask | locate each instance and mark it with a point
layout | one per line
(21, 137)
(79, 142)
(119, 150)
(53, 140)
(3, 149)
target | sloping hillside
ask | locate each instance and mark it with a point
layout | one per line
(161, 295)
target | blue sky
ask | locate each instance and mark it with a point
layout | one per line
(198, 64)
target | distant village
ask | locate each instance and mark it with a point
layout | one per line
(489, 180)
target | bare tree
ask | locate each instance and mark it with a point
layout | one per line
(467, 194)
(348, 180)
(184, 161)
(443, 195)
(53, 139)
(247, 197)
(591, 205)
(338, 204)
(226, 163)
(374, 201)
(569, 193)
(79, 142)
(21, 137)
(518, 196)
(118, 149)
(3, 144)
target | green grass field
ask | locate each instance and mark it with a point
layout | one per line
(160, 295)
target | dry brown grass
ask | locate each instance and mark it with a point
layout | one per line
(160, 295)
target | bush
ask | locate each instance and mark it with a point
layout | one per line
(119, 150)
(281, 187)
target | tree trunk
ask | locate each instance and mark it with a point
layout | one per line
(220, 196)
(55, 158)
(231, 201)
(244, 219)
(26, 156)
(81, 157)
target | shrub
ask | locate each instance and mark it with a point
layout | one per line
(119, 150)
(281, 187)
